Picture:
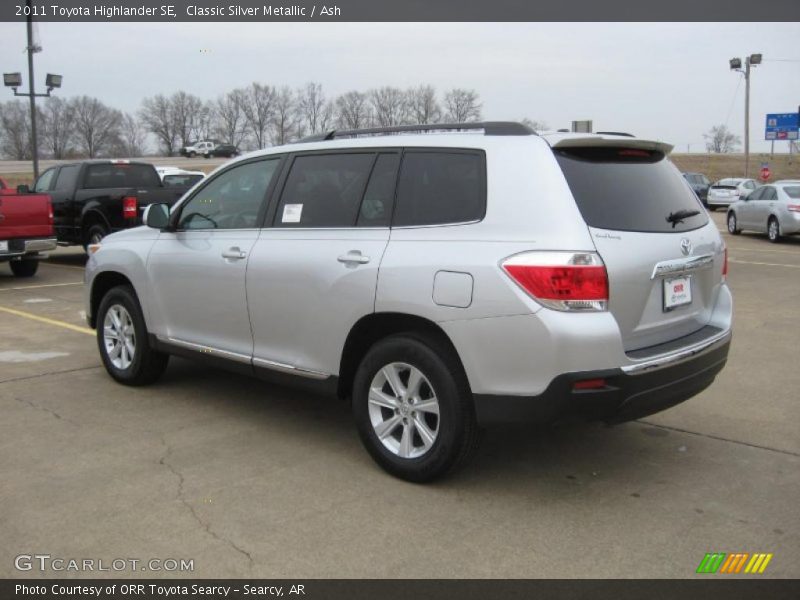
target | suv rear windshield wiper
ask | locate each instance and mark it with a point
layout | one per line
(679, 215)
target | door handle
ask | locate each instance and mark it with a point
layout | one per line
(353, 257)
(234, 253)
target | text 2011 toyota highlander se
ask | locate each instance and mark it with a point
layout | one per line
(440, 278)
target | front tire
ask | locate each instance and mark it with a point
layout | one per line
(733, 225)
(94, 234)
(123, 341)
(192, 154)
(25, 267)
(413, 408)
(773, 230)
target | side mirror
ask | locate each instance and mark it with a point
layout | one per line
(156, 216)
(23, 189)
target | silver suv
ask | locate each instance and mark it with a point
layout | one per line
(441, 279)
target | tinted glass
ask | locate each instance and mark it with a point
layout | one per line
(376, 207)
(181, 180)
(232, 200)
(44, 181)
(770, 194)
(628, 189)
(67, 178)
(757, 194)
(324, 190)
(440, 187)
(792, 192)
(120, 176)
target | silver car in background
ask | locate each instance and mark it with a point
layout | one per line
(438, 278)
(725, 192)
(772, 209)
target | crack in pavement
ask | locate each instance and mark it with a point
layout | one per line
(720, 438)
(180, 496)
(28, 377)
(47, 410)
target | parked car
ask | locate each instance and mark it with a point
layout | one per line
(96, 197)
(204, 148)
(771, 209)
(26, 230)
(182, 179)
(226, 150)
(700, 184)
(441, 282)
(727, 191)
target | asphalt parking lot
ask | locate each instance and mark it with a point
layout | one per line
(253, 480)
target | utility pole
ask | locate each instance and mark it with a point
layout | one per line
(31, 92)
(736, 65)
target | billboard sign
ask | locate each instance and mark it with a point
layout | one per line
(782, 126)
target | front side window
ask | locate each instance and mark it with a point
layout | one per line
(437, 188)
(44, 181)
(757, 194)
(324, 190)
(376, 207)
(232, 200)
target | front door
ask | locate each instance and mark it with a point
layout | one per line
(197, 273)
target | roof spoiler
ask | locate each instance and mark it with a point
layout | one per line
(596, 141)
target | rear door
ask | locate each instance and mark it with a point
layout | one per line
(662, 254)
(313, 274)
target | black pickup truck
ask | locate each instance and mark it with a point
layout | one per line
(96, 197)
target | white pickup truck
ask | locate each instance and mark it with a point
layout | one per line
(203, 148)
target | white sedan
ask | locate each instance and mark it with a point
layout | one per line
(727, 191)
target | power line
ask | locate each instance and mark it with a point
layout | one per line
(733, 101)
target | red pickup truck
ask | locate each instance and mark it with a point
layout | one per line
(26, 229)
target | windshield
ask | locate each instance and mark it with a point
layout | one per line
(629, 189)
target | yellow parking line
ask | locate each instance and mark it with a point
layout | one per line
(36, 287)
(763, 264)
(57, 323)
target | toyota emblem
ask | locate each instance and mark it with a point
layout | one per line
(686, 246)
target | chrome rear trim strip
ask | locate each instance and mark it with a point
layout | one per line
(682, 265)
(676, 358)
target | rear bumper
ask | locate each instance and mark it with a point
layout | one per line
(630, 392)
(17, 248)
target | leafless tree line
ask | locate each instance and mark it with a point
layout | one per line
(252, 117)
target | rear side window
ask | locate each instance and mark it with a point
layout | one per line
(324, 190)
(67, 178)
(628, 189)
(792, 192)
(376, 207)
(436, 188)
(120, 175)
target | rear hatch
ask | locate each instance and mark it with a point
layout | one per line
(663, 256)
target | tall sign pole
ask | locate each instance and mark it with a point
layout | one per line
(747, 117)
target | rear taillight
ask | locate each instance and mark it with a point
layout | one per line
(129, 207)
(793, 207)
(568, 281)
(725, 265)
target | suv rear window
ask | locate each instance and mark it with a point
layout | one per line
(120, 176)
(627, 189)
(435, 188)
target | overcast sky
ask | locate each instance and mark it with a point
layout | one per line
(666, 81)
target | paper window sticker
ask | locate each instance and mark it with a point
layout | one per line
(292, 213)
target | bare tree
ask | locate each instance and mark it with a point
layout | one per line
(231, 123)
(284, 119)
(353, 110)
(96, 125)
(537, 126)
(720, 140)
(203, 122)
(133, 137)
(16, 130)
(185, 108)
(314, 109)
(463, 106)
(259, 109)
(389, 106)
(156, 115)
(57, 126)
(423, 108)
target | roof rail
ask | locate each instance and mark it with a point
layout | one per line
(622, 133)
(488, 127)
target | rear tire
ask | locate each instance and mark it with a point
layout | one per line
(732, 224)
(25, 267)
(773, 230)
(417, 432)
(123, 341)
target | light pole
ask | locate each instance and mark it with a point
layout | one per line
(736, 65)
(14, 80)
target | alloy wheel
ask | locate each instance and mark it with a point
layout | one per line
(119, 337)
